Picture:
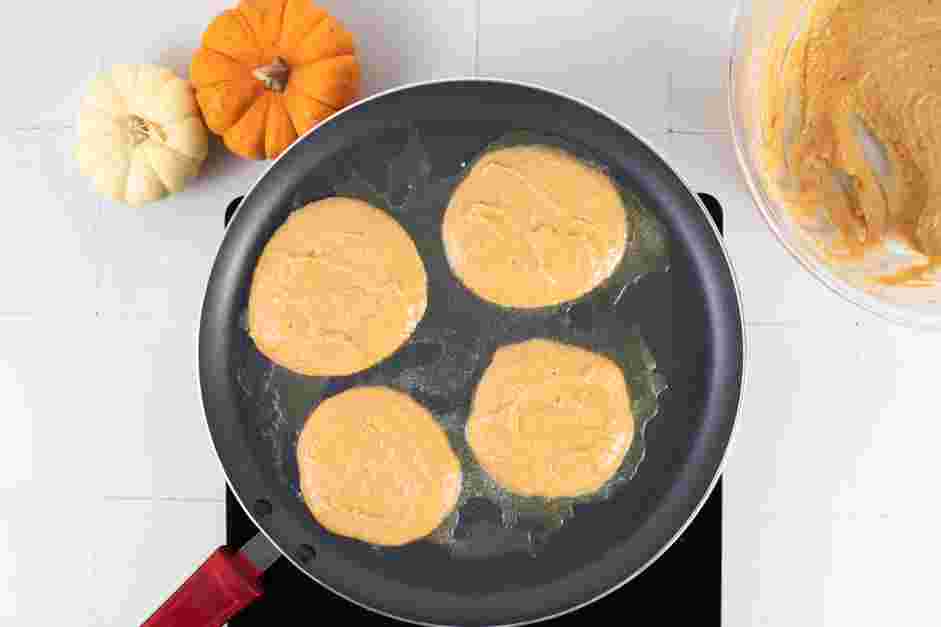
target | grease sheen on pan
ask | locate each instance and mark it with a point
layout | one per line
(532, 226)
(339, 287)
(375, 466)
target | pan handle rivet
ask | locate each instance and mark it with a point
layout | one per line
(262, 508)
(305, 553)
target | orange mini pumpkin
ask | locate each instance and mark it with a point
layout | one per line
(269, 70)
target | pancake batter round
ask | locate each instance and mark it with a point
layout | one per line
(375, 466)
(550, 420)
(338, 288)
(532, 226)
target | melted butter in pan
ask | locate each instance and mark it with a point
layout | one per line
(465, 332)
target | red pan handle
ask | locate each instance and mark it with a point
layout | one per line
(224, 585)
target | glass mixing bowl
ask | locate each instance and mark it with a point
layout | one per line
(756, 23)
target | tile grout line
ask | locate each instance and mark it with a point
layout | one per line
(97, 229)
(99, 266)
(17, 316)
(162, 499)
(670, 130)
(669, 109)
(697, 132)
(777, 324)
(832, 516)
(476, 66)
(43, 128)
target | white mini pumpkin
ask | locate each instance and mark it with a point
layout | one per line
(140, 134)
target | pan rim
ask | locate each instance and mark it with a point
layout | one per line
(705, 214)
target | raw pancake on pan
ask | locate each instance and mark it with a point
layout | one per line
(550, 420)
(532, 226)
(375, 466)
(339, 287)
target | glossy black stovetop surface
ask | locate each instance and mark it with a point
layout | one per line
(685, 583)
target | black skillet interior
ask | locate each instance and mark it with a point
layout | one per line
(689, 317)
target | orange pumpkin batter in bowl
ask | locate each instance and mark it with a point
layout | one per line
(852, 121)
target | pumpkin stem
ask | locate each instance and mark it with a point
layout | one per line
(275, 75)
(142, 129)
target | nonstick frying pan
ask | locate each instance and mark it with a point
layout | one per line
(689, 318)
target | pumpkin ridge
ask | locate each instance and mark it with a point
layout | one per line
(306, 33)
(125, 177)
(93, 159)
(277, 39)
(324, 59)
(82, 127)
(230, 58)
(264, 94)
(146, 162)
(200, 156)
(128, 97)
(208, 85)
(320, 102)
(312, 28)
(332, 107)
(300, 92)
(256, 87)
(150, 162)
(334, 81)
(306, 125)
(277, 102)
(301, 132)
(266, 18)
(186, 86)
(328, 28)
(266, 97)
(284, 17)
(176, 152)
(284, 105)
(251, 31)
(120, 94)
(108, 114)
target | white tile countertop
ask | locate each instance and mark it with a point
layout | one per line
(110, 492)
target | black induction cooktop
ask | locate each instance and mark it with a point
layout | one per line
(685, 583)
